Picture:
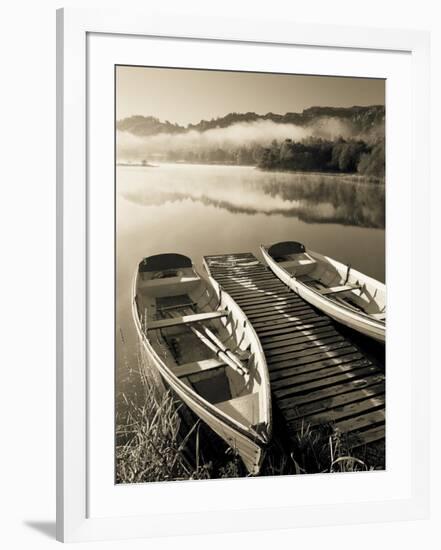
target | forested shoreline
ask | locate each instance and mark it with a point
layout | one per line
(309, 155)
(346, 156)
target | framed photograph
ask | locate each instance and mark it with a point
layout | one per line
(238, 211)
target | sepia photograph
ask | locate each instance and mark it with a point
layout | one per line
(250, 317)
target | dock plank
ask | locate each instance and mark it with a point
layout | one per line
(284, 321)
(265, 300)
(257, 276)
(317, 374)
(348, 411)
(280, 313)
(324, 382)
(296, 346)
(288, 315)
(311, 355)
(334, 401)
(312, 397)
(257, 285)
(310, 374)
(355, 359)
(246, 292)
(272, 306)
(366, 437)
(294, 328)
(277, 342)
(358, 422)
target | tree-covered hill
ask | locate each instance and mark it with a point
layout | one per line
(362, 119)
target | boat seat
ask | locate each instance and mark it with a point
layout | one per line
(301, 264)
(188, 369)
(167, 281)
(338, 289)
(186, 319)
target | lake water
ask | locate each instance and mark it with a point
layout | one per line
(205, 209)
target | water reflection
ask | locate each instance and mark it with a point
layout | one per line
(312, 198)
(351, 202)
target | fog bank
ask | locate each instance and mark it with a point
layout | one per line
(261, 132)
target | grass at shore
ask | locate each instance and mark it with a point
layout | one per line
(149, 446)
(325, 450)
(153, 445)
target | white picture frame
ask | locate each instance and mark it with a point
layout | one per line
(74, 398)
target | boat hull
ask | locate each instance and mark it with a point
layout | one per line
(248, 444)
(251, 452)
(360, 323)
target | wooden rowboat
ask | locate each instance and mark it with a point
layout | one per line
(346, 295)
(206, 351)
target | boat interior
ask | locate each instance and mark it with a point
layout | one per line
(195, 337)
(331, 279)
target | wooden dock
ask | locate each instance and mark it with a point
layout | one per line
(318, 375)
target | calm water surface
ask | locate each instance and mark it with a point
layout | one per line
(199, 209)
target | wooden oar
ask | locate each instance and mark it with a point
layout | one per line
(222, 355)
(223, 347)
(210, 334)
(218, 347)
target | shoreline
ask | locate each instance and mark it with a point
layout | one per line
(348, 175)
(345, 175)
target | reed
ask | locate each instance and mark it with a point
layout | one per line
(149, 443)
(324, 449)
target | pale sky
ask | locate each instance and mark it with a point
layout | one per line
(187, 96)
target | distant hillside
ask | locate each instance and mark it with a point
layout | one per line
(362, 120)
(147, 126)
